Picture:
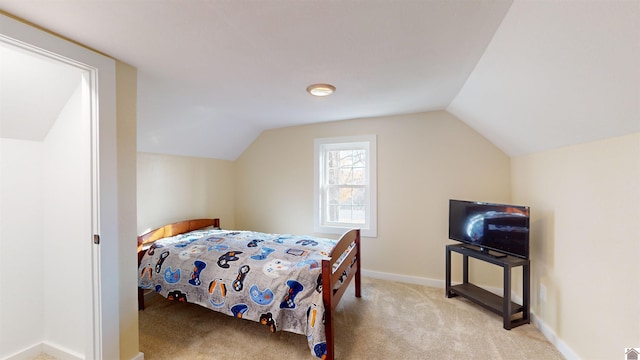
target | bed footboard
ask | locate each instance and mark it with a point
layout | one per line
(345, 256)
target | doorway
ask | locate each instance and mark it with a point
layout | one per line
(57, 170)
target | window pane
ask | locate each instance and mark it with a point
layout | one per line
(332, 159)
(332, 176)
(351, 214)
(346, 176)
(358, 215)
(346, 158)
(345, 196)
(332, 212)
(359, 176)
(351, 168)
(358, 196)
(348, 195)
(345, 205)
(359, 158)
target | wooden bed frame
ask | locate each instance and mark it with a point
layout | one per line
(330, 295)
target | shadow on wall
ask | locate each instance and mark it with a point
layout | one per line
(546, 295)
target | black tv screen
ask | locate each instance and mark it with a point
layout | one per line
(498, 227)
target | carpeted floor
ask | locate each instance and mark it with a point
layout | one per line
(44, 357)
(391, 321)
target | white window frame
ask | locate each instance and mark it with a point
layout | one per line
(321, 146)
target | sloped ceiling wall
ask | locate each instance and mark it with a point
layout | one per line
(556, 73)
(33, 91)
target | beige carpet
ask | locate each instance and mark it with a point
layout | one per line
(44, 357)
(391, 321)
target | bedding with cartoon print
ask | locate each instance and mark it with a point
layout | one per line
(270, 278)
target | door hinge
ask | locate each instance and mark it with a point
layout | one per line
(96, 239)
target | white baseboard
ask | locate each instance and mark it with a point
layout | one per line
(140, 356)
(60, 352)
(26, 354)
(45, 348)
(403, 278)
(428, 282)
(548, 333)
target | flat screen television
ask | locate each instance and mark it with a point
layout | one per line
(497, 229)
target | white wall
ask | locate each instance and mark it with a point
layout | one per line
(44, 195)
(21, 245)
(46, 188)
(67, 228)
(585, 245)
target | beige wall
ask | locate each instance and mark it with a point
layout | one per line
(585, 245)
(585, 259)
(423, 160)
(175, 188)
(126, 108)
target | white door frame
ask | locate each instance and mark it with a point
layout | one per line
(104, 297)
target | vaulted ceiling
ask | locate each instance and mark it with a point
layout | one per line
(212, 74)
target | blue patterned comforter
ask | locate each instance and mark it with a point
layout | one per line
(270, 278)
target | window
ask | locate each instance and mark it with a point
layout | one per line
(345, 184)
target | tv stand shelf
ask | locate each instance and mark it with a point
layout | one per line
(501, 305)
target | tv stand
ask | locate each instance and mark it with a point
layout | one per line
(501, 305)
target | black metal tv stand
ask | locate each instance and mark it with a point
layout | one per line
(501, 305)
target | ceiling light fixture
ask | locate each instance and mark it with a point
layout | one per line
(321, 89)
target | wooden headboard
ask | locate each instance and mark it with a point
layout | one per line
(177, 228)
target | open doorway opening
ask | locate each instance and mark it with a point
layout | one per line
(47, 206)
(97, 275)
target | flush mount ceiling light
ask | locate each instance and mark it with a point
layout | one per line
(321, 89)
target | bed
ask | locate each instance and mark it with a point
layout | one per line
(286, 282)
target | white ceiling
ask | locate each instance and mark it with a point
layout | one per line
(214, 74)
(557, 73)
